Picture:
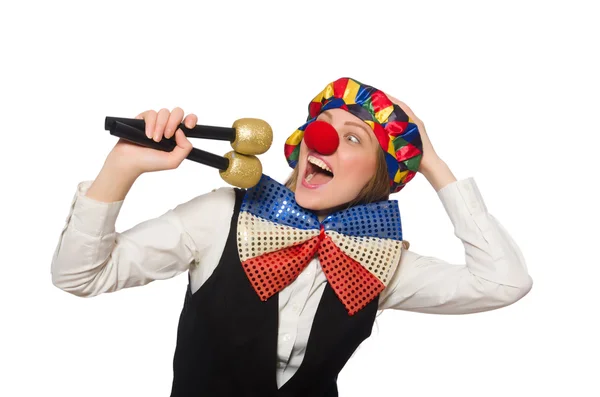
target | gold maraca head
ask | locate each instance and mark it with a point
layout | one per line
(253, 136)
(244, 170)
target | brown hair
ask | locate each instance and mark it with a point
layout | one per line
(377, 189)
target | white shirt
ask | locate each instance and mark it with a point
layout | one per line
(93, 258)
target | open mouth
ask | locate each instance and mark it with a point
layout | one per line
(317, 172)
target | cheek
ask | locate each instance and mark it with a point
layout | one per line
(301, 155)
(358, 166)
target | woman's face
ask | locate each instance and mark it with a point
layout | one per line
(352, 164)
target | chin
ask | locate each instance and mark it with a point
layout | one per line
(322, 192)
(311, 199)
(320, 200)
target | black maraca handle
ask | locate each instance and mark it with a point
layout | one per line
(135, 135)
(198, 131)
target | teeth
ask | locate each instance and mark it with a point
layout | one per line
(319, 162)
(309, 177)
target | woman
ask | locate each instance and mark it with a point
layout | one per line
(285, 281)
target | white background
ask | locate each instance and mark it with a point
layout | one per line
(508, 92)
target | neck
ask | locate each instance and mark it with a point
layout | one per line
(322, 217)
(322, 214)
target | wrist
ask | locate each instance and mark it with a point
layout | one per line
(431, 166)
(438, 173)
(119, 166)
(112, 184)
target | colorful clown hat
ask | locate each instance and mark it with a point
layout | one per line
(396, 132)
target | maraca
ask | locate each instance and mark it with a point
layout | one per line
(239, 167)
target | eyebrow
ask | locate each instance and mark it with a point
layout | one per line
(361, 126)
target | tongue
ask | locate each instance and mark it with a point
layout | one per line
(320, 178)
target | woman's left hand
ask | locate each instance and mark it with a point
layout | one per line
(430, 157)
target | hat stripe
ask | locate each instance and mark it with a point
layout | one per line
(339, 88)
(413, 163)
(381, 135)
(400, 175)
(383, 114)
(380, 101)
(314, 108)
(395, 128)
(364, 92)
(392, 165)
(351, 92)
(328, 91)
(295, 138)
(406, 152)
(412, 133)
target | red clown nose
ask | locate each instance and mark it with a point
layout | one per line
(322, 137)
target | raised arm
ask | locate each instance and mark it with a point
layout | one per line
(493, 275)
(92, 257)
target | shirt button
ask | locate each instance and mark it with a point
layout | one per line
(287, 337)
(296, 307)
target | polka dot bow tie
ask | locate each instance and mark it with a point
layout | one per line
(358, 248)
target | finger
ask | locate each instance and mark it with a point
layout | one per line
(149, 117)
(141, 117)
(173, 122)
(398, 102)
(402, 105)
(395, 100)
(183, 147)
(161, 121)
(191, 120)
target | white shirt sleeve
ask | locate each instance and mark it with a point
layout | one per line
(494, 273)
(93, 258)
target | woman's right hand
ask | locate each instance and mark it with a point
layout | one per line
(137, 159)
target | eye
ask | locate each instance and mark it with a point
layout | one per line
(353, 136)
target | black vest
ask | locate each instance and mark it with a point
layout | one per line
(227, 337)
